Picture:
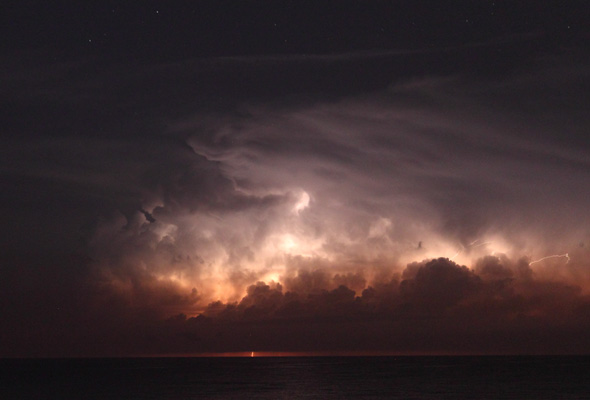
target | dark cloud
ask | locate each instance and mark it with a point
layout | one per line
(439, 284)
(272, 203)
(443, 306)
(148, 217)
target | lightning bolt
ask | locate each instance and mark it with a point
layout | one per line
(458, 252)
(471, 245)
(566, 255)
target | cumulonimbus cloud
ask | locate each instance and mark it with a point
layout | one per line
(395, 212)
(360, 187)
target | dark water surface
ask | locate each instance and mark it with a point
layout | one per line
(298, 378)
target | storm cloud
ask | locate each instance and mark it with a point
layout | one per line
(234, 209)
(436, 306)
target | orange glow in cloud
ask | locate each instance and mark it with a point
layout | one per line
(319, 189)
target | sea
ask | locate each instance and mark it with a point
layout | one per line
(408, 377)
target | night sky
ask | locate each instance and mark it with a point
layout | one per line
(311, 177)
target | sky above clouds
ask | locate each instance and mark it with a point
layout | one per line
(397, 193)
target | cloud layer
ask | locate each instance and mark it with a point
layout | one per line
(404, 216)
(434, 306)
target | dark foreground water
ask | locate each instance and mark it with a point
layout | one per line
(298, 378)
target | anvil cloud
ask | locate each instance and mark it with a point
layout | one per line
(399, 217)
